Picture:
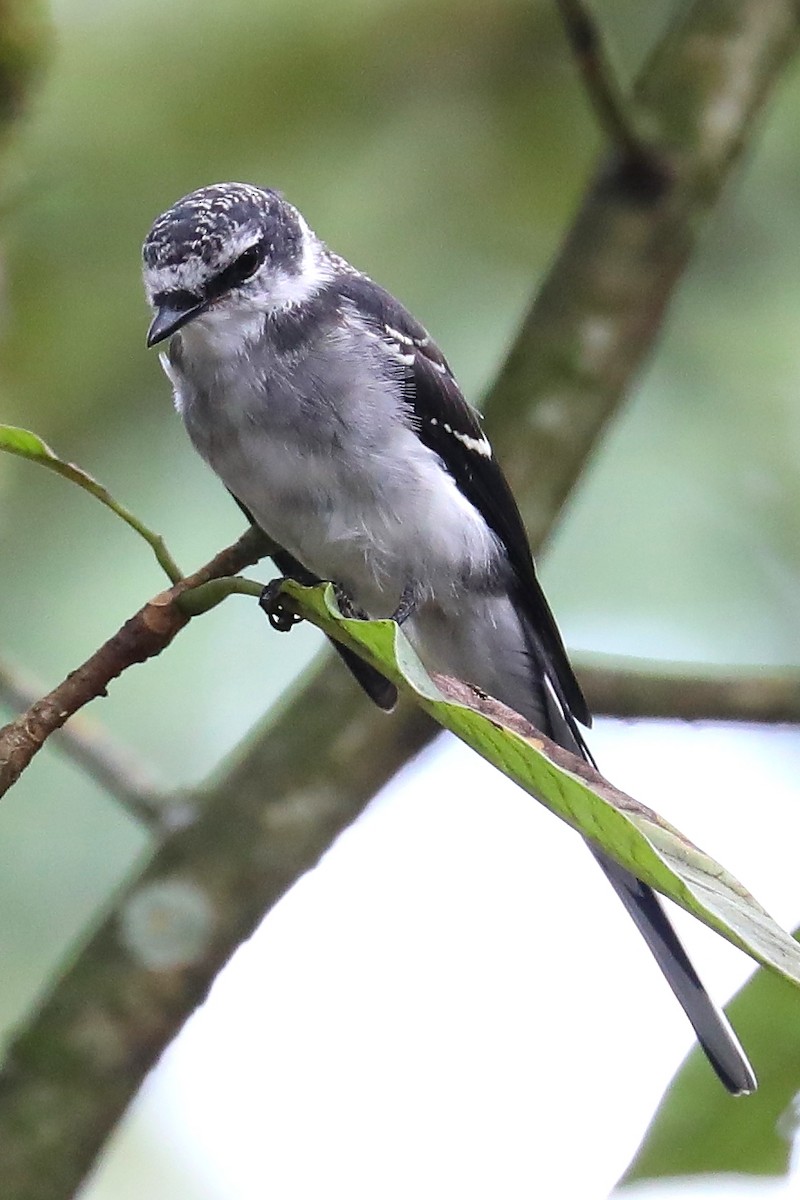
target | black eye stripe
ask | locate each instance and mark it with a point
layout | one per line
(230, 277)
(239, 270)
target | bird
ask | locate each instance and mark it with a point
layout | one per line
(336, 423)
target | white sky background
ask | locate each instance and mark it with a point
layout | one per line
(455, 1004)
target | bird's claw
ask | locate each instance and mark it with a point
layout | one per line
(274, 605)
(407, 605)
(347, 607)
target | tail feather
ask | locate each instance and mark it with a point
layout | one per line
(714, 1034)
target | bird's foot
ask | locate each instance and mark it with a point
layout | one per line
(407, 605)
(347, 607)
(279, 615)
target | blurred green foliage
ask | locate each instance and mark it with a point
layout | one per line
(698, 1129)
(24, 51)
(441, 145)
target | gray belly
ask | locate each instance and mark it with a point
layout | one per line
(484, 644)
(371, 514)
(369, 507)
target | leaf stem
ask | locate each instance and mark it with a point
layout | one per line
(208, 595)
(25, 444)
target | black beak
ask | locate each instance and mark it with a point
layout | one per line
(170, 318)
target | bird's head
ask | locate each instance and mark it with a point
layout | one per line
(228, 252)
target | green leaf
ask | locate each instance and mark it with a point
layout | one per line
(699, 1128)
(631, 833)
(28, 445)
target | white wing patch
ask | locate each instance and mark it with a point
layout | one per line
(478, 445)
(404, 348)
(400, 355)
(400, 346)
(397, 336)
(397, 345)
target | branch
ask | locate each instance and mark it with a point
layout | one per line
(616, 116)
(603, 303)
(146, 634)
(94, 750)
(74, 1067)
(758, 696)
(71, 1072)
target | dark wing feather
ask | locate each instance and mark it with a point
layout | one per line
(380, 690)
(451, 428)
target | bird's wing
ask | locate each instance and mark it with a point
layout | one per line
(449, 426)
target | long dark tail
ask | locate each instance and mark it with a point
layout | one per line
(711, 1026)
(714, 1034)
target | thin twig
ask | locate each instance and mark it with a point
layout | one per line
(94, 750)
(615, 114)
(146, 634)
(599, 311)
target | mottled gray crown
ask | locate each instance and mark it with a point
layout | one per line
(214, 221)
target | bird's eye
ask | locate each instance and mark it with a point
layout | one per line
(238, 271)
(246, 263)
